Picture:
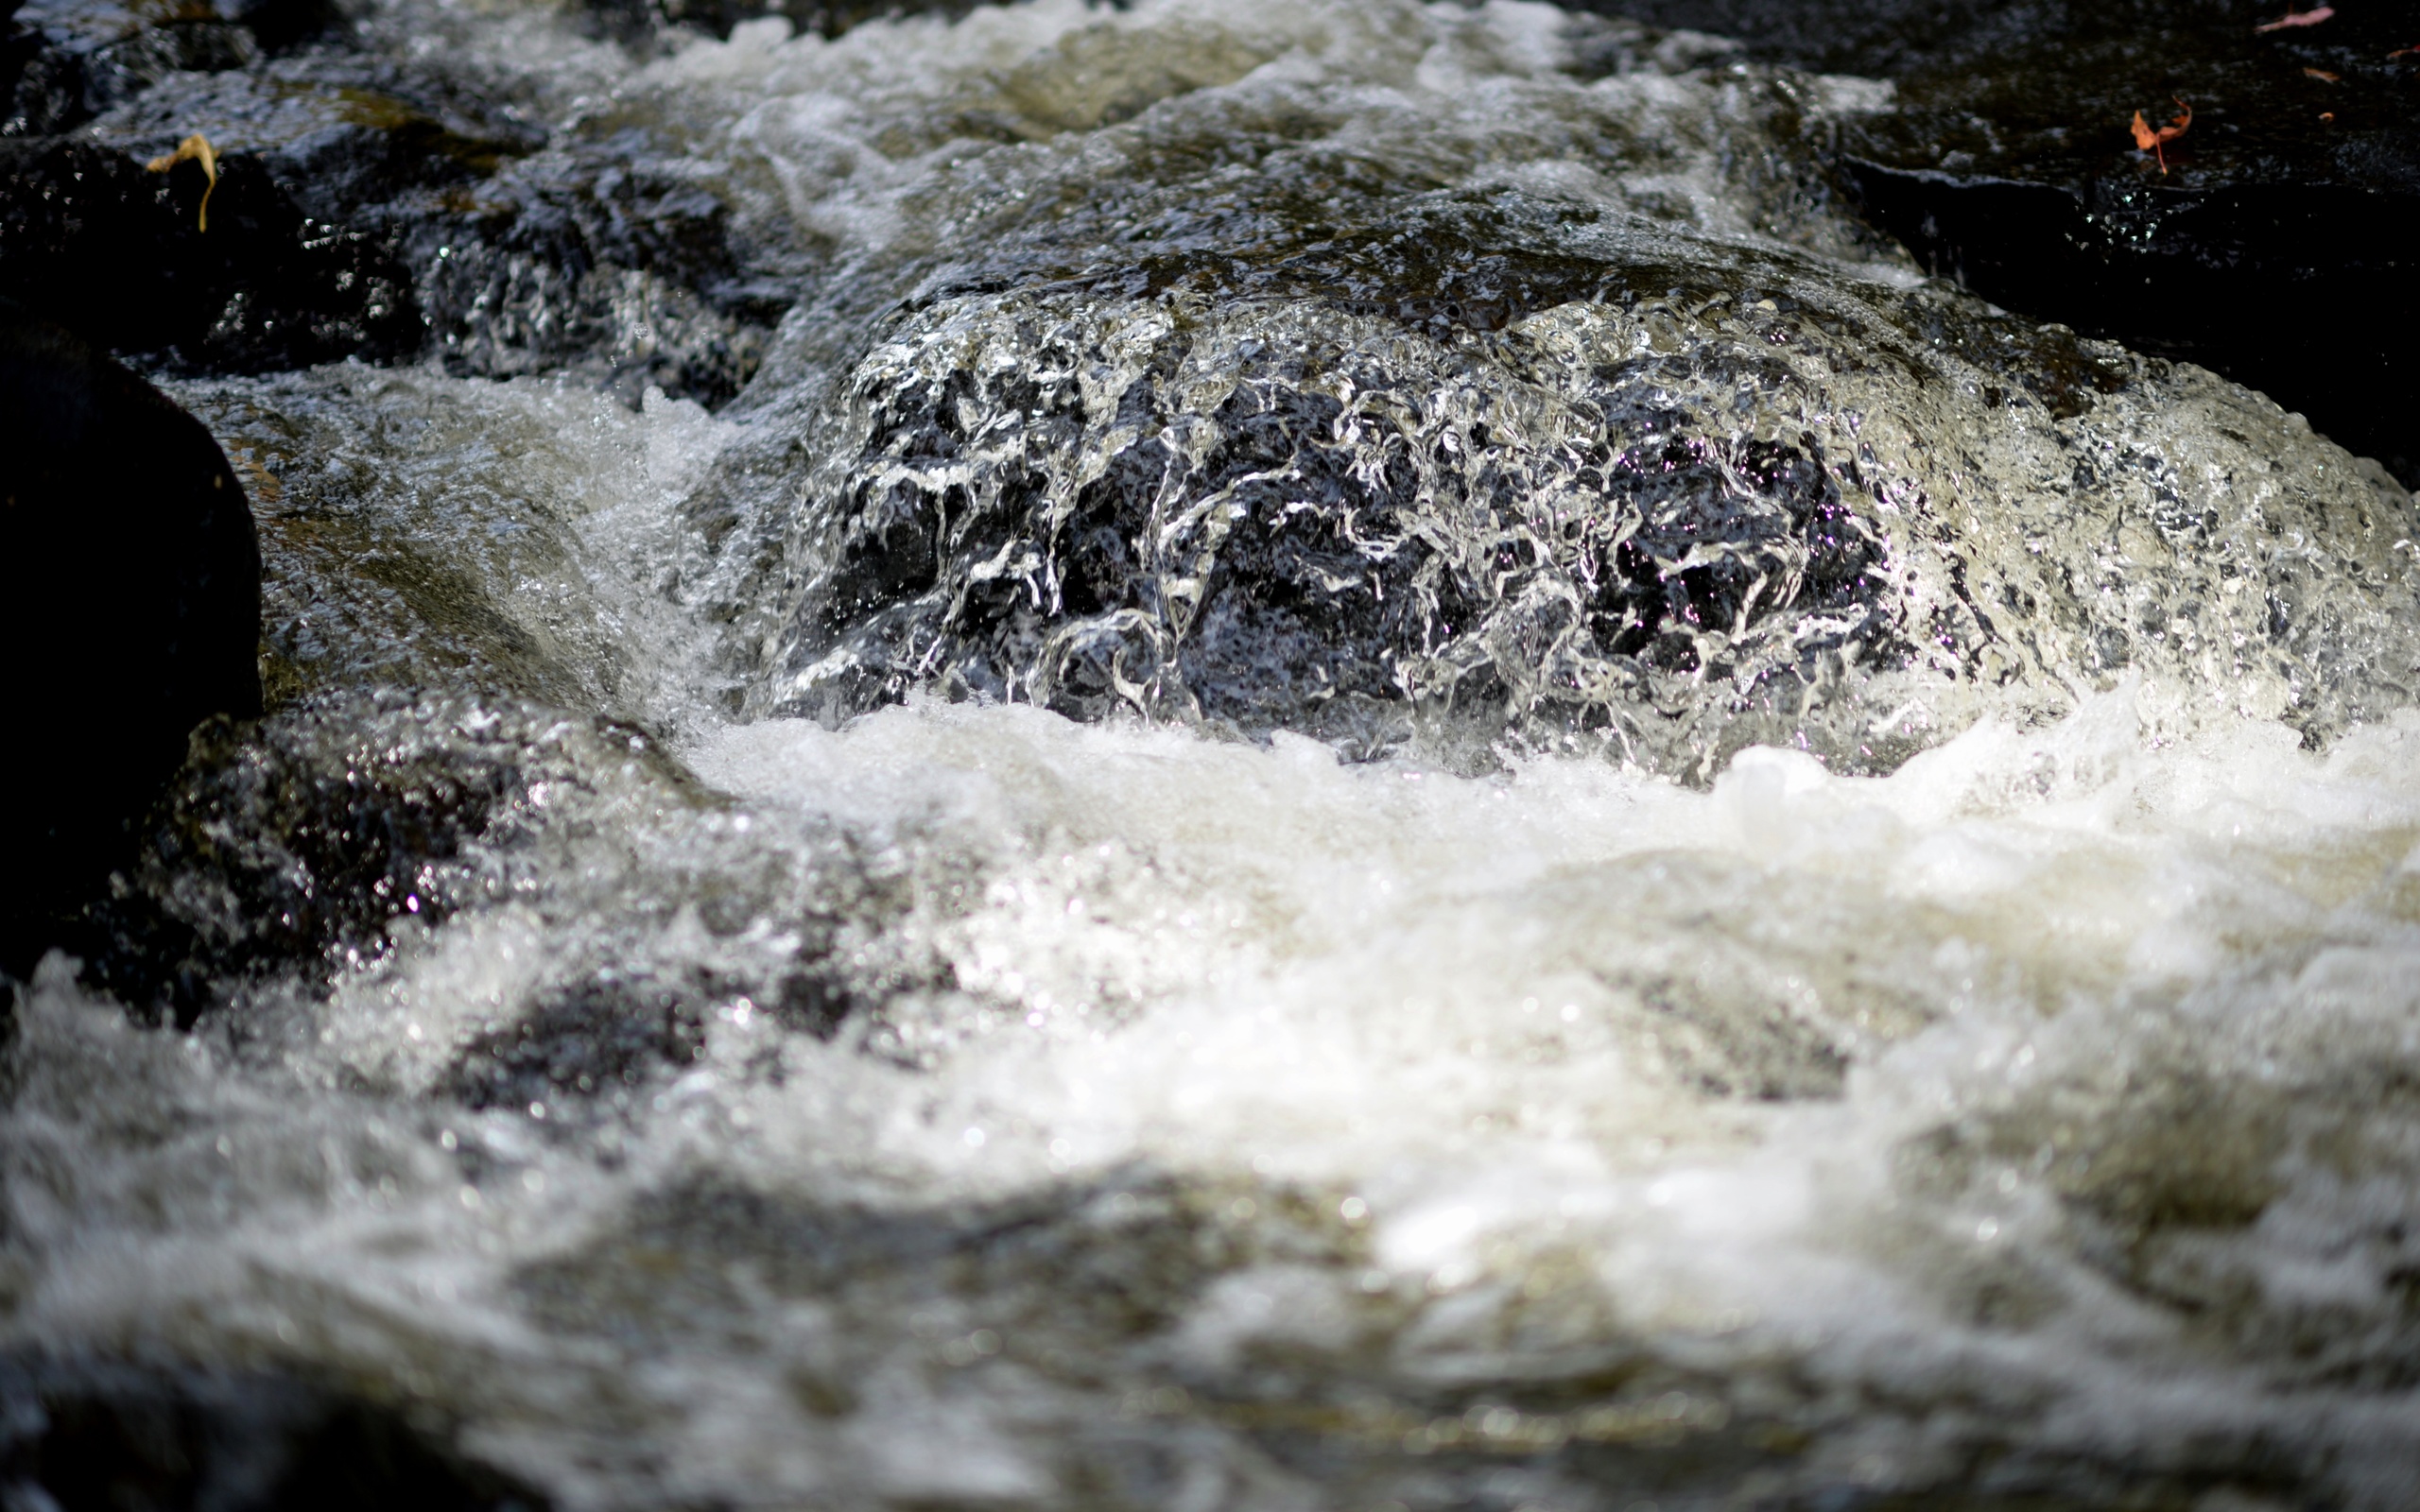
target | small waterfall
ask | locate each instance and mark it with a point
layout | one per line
(1224, 755)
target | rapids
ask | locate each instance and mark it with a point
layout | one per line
(1369, 774)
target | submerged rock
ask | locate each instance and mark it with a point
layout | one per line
(1595, 422)
(418, 533)
(600, 1040)
(1478, 470)
(132, 611)
(296, 844)
(334, 840)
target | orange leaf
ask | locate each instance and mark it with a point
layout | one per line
(2148, 140)
(2320, 73)
(2298, 18)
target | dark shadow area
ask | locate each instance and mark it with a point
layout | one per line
(2270, 241)
(637, 21)
(130, 602)
(108, 1437)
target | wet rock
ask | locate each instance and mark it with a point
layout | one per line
(84, 1435)
(65, 61)
(132, 611)
(1223, 414)
(1090, 1268)
(292, 846)
(119, 253)
(600, 255)
(643, 21)
(366, 207)
(599, 1041)
(603, 266)
(1479, 473)
(2272, 248)
(321, 843)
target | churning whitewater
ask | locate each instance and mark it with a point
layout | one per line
(1369, 774)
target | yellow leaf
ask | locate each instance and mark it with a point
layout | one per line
(195, 147)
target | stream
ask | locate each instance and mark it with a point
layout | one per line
(1281, 754)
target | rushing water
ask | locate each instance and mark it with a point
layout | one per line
(1368, 776)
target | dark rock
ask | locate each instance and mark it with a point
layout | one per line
(295, 843)
(1483, 472)
(598, 1041)
(641, 21)
(1877, 38)
(299, 848)
(117, 253)
(365, 209)
(81, 1436)
(379, 211)
(605, 263)
(132, 611)
(2275, 246)
(65, 61)
(340, 133)
(2301, 290)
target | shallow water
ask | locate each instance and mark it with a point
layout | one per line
(686, 1093)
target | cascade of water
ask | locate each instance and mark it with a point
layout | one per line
(1360, 769)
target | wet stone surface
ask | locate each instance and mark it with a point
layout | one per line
(2269, 242)
(1470, 472)
(300, 843)
(600, 1041)
(643, 25)
(118, 254)
(66, 62)
(368, 204)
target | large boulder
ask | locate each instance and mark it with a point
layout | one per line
(1489, 474)
(130, 611)
(1591, 424)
